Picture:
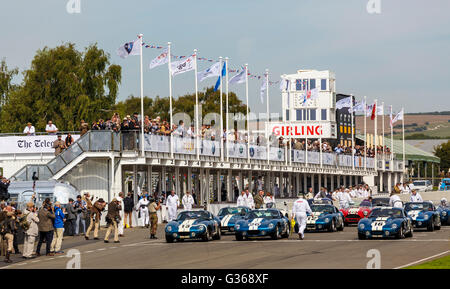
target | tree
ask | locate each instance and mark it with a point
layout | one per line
(6, 76)
(65, 86)
(442, 151)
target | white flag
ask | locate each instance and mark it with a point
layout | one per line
(359, 106)
(263, 88)
(238, 78)
(130, 48)
(345, 102)
(284, 84)
(182, 66)
(380, 110)
(161, 59)
(399, 116)
(214, 70)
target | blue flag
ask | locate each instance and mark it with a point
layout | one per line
(224, 71)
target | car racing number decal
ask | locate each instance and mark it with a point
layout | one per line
(255, 224)
(378, 224)
(185, 226)
(225, 220)
(414, 214)
(313, 218)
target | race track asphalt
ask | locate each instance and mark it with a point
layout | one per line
(319, 250)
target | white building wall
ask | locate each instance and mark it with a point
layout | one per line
(92, 175)
(11, 164)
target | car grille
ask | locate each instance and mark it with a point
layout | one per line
(184, 233)
(253, 232)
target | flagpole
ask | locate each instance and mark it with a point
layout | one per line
(196, 106)
(306, 124)
(268, 116)
(248, 127)
(353, 135)
(392, 143)
(365, 133)
(382, 139)
(376, 136)
(403, 133)
(226, 104)
(285, 126)
(221, 113)
(170, 95)
(142, 96)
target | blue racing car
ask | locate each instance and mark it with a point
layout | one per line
(193, 225)
(229, 216)
(325, 217)
(423, 215)
(385, 222)
(262, 223)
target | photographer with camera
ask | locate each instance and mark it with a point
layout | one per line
(113, 219)
(95, 215)
(4, 184)
(80, 212)
(7, 229)
(46, 216)
(153, 207)
(32, 220)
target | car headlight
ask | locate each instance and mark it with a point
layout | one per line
(169, 229)
(444, 213)
(327, 220)
(425, 217)
(361, 226)
(237, 226)
(394, 226)
(365, 213)
(271, 226)
(202, 228)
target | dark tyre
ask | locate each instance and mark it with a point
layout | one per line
(401, 233)
(276, 234)
(341, 228)
(239, 237)
(410, 233)
(169, 239)
(361, 236)
(332, 227)
(207, 236)
(286, 235)
(217, 235)
(430, 227)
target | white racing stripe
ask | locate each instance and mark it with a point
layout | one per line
(186, 225)
(353, 211)
(378, 224)
(225, 220)
(255, 224)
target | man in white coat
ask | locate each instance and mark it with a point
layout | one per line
(415, 197)
(142, 207)
(187, 201)
(344, 199)
(249, 200)
(395, 201)
(299, 210)
(241, 200)
(121, 213)
(172, 205)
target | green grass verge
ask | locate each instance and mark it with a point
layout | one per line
(441, 263)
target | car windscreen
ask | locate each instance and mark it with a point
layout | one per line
(417, 183)
(322, 209)
(233, 211)
(193, 215)
(365, 204)
(380, 202)
(385, 212)
(418, 206)
(265, 214)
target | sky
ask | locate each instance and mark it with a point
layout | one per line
(400, 56)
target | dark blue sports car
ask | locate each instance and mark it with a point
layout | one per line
(325, 217)
(423, 215)
(193, 225)
(385, 222)
(444, 211)
(262, 223)
(229, 216)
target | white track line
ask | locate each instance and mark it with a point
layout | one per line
(424, 259)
